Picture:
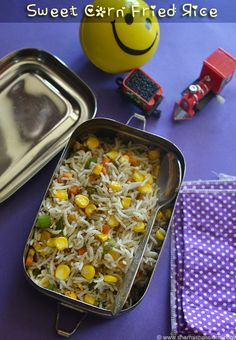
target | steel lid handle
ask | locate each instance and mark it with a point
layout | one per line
(63, 332)
(139, 117)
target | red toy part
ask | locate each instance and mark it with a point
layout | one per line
(218, 69)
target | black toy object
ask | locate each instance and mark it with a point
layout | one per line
(142, 90)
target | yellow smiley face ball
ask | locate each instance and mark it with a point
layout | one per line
(119, 35)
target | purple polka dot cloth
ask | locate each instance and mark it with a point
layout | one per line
(203, 275)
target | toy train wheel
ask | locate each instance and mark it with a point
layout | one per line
(202, 103)
(119, 81)
(155, 113)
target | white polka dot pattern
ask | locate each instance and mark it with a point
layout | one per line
(204, 228)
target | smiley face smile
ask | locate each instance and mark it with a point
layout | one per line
(127, 49)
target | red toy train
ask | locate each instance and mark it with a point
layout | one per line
(218, 69)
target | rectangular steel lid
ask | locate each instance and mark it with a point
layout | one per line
(41, 103)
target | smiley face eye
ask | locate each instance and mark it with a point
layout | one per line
(148, 23)
(129, 19)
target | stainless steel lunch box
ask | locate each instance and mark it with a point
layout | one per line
(102, 127)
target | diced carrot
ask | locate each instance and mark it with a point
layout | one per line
(29, 261)
(105, 161)
(59, 180)
(121, 264)
(133, 161)
(92, 178)
(132, 158)
(74, 190)
(82, 250)
(67, 174)
(105, 229)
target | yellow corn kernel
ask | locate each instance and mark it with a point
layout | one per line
(44, 282)
(115, 186)
(61, 194)
(45, 235)
(114, 254)
(138, 176)
(31, 252)
(102, 237)
(61, 243)
(81, 201)
(62, 272)
(113, 155)
(93, 142)
(150, 178)
(71, 218)
(124, 158)
(126, 201)
(154, 154)
(97, 169)
(139, 227)
(37, 246)
(90, 209)
(145, 189)
(110, 278)
(156, 170)
(112, 222)
(89, 299)
(160, 234)
(51, 242)
(81, 287)
(167, 212)
(71, 294)
(88, 271)
(160, 216)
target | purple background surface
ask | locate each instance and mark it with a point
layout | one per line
(207, 141)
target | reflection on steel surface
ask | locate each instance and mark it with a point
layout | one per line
(34, 114)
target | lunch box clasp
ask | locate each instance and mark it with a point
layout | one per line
(139, 117)
(67, 333)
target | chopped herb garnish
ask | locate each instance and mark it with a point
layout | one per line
(60, 224)
(91, 285)
(108, 245)
(52, 287)
(91, 190)
(90, 161)
(36, 272)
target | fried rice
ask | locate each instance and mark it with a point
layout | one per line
(92, 219)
